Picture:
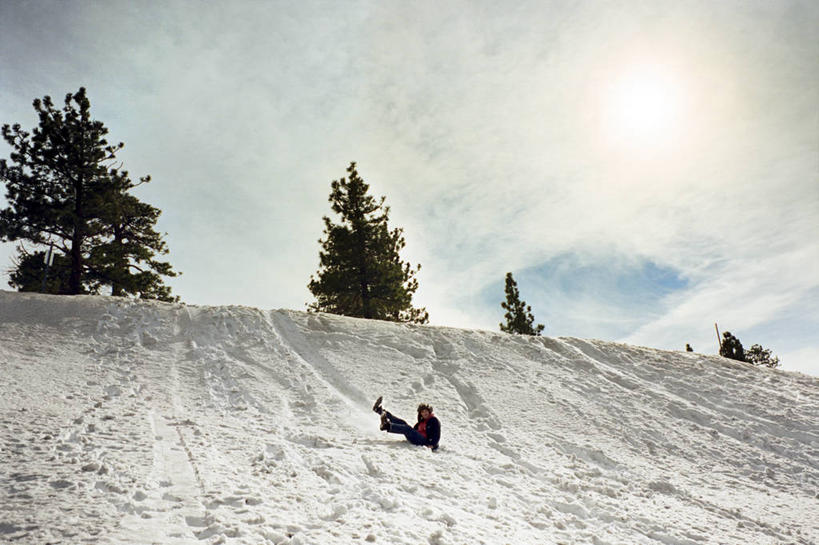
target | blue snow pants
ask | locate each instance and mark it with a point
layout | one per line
(400, 426)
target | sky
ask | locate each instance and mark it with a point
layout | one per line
(644, 169)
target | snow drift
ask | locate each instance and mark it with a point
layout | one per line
(139, 422)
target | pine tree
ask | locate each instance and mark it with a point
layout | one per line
(688, 348)
(757, 355)
(361, 272)
(731, 347)
(62, 190)
(519, 318)
(127, 259)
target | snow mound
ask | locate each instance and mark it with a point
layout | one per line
(143, 422)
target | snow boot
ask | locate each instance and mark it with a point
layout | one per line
(385, 422)
(377, 405)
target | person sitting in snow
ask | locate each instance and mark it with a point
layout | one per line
(426, 432)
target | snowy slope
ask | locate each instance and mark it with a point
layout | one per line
(128, 422)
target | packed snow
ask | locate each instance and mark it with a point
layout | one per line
(141, 422)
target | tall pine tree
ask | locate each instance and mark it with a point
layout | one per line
(361, 272)
(519, 318)
(62, 190)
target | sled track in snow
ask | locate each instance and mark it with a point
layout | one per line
(288, 334)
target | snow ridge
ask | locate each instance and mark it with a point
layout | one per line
(144, 422)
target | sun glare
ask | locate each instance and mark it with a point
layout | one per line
(644, 109)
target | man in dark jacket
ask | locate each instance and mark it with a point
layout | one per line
(426, 432)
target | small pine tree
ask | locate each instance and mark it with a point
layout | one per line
(688, 348)
(361, 272)
(519, 318)
(29, 270)
(757, 355)
(731, 347)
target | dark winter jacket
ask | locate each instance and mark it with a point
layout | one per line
(432, 430)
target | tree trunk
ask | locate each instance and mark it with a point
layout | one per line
(116, 286)
(362, 275)
(75, 280)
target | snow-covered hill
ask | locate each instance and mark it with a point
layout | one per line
(129, 422)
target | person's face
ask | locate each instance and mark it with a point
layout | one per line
(424, 414)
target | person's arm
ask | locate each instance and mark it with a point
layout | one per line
(433, 432)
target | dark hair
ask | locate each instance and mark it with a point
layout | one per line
(423, 406)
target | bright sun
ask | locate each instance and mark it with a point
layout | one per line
(644, 109)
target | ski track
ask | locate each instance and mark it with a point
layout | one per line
(128, 422)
